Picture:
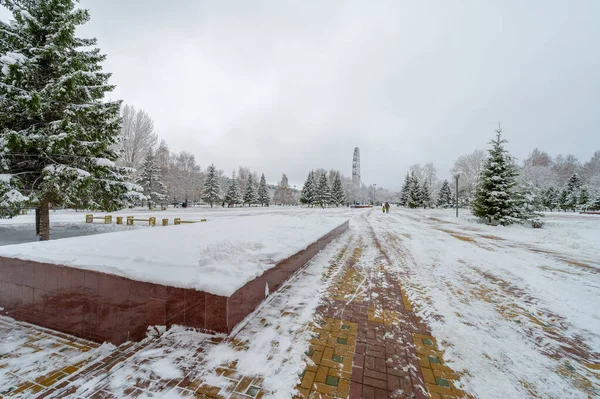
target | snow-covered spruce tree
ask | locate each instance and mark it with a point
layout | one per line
(573, 188)
(233, 195)
(263, 192)
(426, 200)
(250, 195)
(309, 191)
(584, 198)
(57, 135)
(445, 196)
(149, 179)
(496, 199)
(338, 195)
(550, 199)
(323, 196)
(413, 199)
(211, 192)
(403, 200)
(528, 204)
(595, 206)
(563, 200)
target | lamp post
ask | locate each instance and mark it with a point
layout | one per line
(456, 177)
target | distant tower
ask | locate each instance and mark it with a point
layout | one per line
(356, 167)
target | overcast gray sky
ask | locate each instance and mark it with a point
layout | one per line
(286, 86)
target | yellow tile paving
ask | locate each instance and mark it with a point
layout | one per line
(329, 359)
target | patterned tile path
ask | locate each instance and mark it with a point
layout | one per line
(368, 316)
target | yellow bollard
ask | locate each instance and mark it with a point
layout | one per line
(89, 218)
(119, 219)
(129, 220)
(176, 221)
(108, 219)
(23, 211)
(165, 222)
(152, 221)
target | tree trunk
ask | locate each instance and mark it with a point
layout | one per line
(37, 222)
(44, 233)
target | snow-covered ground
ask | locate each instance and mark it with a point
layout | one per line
(514, 308)
(218, 257)
(70, 223)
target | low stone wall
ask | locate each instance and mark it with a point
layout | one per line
(104, 307)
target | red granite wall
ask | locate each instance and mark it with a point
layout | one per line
(103, 307)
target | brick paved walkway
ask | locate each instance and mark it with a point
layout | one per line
(370, 343)
(363, 341)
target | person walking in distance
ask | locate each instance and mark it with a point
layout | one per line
(387, 207)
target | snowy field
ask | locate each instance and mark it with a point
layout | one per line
(515, 308)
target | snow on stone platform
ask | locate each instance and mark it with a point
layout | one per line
(218, 256)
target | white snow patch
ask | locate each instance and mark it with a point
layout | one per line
(215, 256)
(165, 369)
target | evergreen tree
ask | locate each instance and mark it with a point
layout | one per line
(528, 204)
(338, 196)
(595, 206)
(309, 191)
(550, 199)
(496, 198)
(250, 195)
(413, 199)
(323, 196)
(57, 135)
(445, 196)
(150, 180)
(233, 195)
(426, 200)
(211, 192)
(584, 198)
(573, 187)
(405, 190)
(263, 191)
(563, 200)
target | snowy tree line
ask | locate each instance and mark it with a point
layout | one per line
(323, 189)
(176, 178)
(548, 183)
(500, 191)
